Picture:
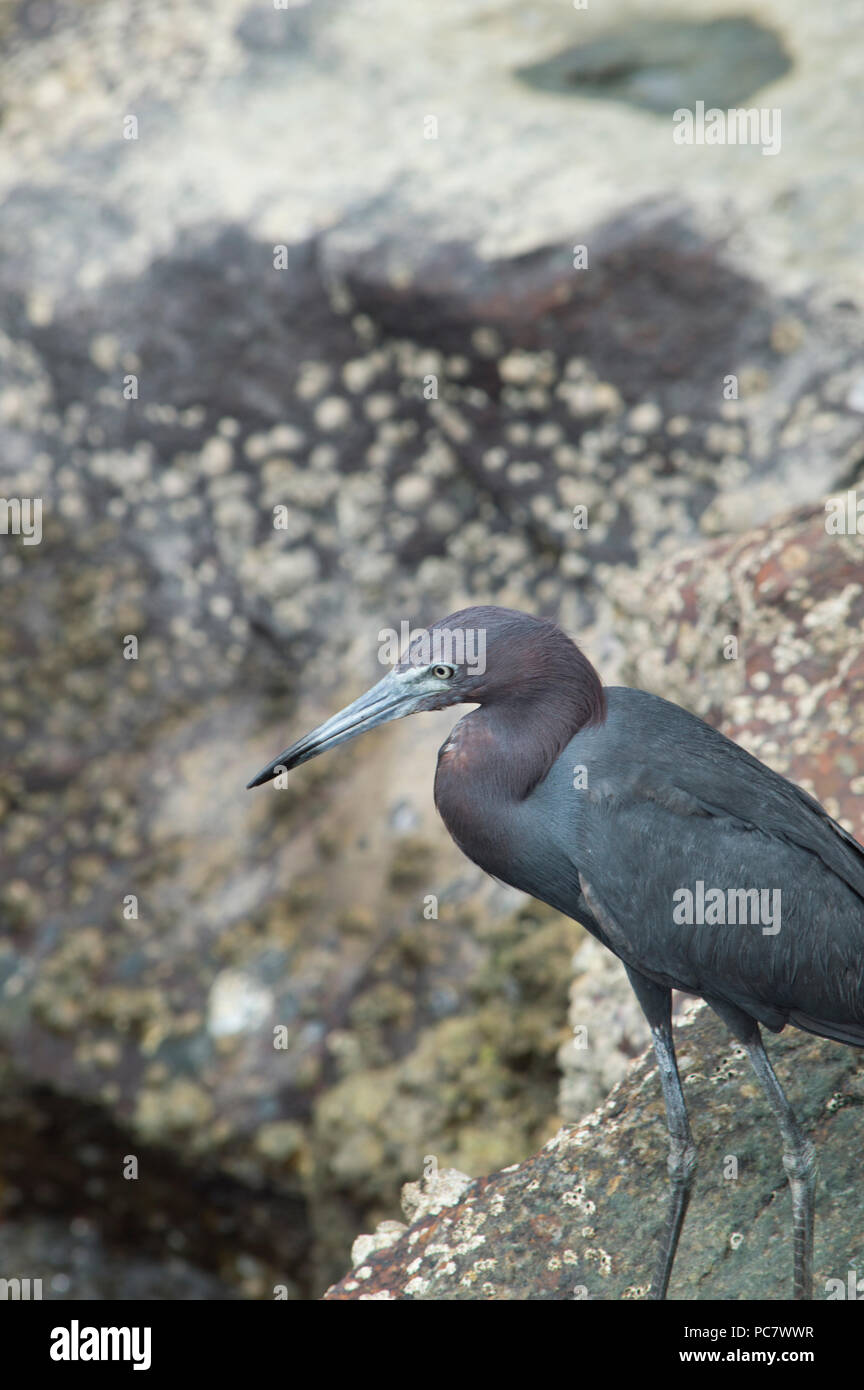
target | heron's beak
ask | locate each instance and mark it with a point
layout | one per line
(391, 698)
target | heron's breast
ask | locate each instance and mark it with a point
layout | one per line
(470, 793)
(466, 750)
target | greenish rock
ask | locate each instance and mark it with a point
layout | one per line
(661, 65)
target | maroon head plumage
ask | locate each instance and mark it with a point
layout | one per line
(528, 677)
(516, 658)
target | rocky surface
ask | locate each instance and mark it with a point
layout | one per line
(790, 685)
(581, 1219)
(426, 389)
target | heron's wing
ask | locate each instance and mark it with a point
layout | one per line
(755, 796)
(686, 763)
(685, 806)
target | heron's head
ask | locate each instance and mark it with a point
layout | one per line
(474, 657)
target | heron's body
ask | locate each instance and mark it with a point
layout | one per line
(613, 806)
(654, 800)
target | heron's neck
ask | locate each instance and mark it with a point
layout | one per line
(493, 760)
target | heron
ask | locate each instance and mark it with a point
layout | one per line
(699, 867)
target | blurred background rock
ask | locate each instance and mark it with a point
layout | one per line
(428, 388)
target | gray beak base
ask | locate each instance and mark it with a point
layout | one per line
(389, 699)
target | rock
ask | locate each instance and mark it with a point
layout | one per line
(251, 471)
(382, 1122)
(581, 1219)
(437, 1191)
(608, 1029)
(661, 65)
(60, 1256)
(763, 636)
(386, 1234)
(237, 1005)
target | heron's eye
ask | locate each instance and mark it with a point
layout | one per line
(444, 673)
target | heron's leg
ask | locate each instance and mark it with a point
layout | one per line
(657, 1006)
(799, 1160)
(799, 1157)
